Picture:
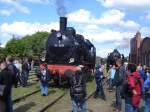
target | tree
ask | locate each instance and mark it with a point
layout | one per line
(29, 45)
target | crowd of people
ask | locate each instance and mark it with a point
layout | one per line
(131, 84)
(13, 72)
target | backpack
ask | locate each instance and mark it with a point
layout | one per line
(78, 90)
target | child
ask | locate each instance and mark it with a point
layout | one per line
(44, 77)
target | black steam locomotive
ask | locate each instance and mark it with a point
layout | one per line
(65, 50)
(113, 56)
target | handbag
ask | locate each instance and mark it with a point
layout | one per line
(2, 89)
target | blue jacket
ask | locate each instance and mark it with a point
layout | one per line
(146, 85)
(142, 74)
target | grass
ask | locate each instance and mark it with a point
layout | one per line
(36, 102)
(20, 91)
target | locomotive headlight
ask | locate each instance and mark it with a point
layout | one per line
(59, 36)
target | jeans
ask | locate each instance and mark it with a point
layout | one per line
(147, 105)
(130, 108)
(44, 88)
(82, 107)
(24, 78)
(9, 104)
(110, 83)
(99, 89)
(118, 97)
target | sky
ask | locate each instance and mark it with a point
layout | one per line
(108, 24)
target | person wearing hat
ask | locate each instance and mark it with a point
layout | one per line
(44, 77)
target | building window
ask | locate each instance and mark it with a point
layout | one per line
(145, 59)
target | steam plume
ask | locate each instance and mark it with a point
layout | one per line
(61, 9)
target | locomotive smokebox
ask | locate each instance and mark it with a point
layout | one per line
(63, 24)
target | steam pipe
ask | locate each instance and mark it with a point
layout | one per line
(63, 24)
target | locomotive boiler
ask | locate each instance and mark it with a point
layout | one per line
(65, 50)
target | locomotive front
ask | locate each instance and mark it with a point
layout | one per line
(60, 45)
(66, 50)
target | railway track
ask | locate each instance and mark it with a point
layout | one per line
(37, 103)
(52, 103)
(25, 96)
(34, 102)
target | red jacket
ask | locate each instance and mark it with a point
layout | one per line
(135, 84)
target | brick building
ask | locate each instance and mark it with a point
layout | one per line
(140, 50)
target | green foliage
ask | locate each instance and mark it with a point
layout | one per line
(30, 45)
(2, 54)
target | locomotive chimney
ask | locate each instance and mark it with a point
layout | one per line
(63, 24)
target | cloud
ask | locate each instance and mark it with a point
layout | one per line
(14, 6)
(138, 5)
(148, 16)
(18, 6)
(80, 16)
(85, 16)
(20, 29)
(145, 31)
(5, 12)
(113, 17)
(104, 52)
(37, 1)
(129, 24)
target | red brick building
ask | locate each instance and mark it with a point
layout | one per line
(140, 50)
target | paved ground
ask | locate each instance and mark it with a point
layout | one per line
(100, 105)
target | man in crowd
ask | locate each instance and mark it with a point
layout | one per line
(120, 76)
(78, 91)
(7, 79)
(99, 85)
(25, 72)
(12, 68)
